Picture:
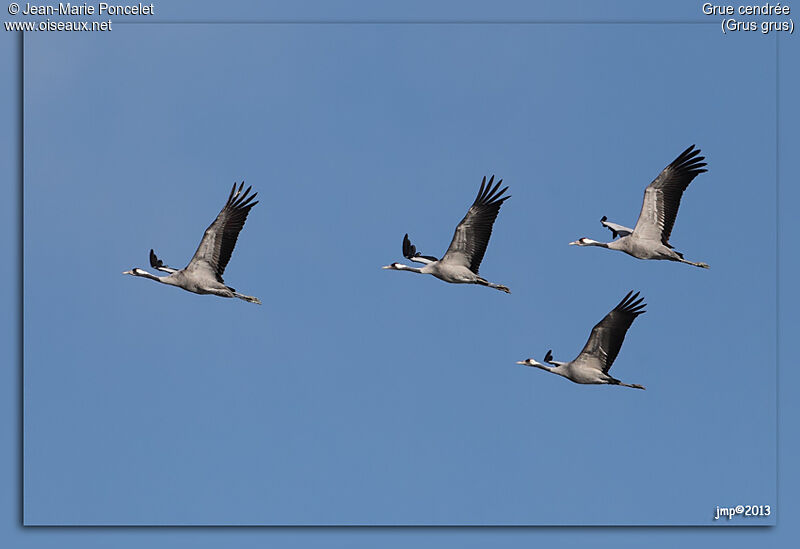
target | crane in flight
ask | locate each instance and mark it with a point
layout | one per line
(650, 238)
(461, 262)
(203, 274)
(592, 364)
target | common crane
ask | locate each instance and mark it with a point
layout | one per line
(650, 238)
(203, 274)
(463, 258)
(597, 356)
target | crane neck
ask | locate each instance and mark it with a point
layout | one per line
(401, 267)
(144, 274)
(544, 367)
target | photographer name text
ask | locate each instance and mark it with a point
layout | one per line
(102, 8)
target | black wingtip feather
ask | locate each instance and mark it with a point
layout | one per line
(497, 185)
(631, 304)
(689, 161)
(488, 195)
(409, 250)
(154, 261)
(242, 200)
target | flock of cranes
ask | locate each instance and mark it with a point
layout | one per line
(460, 264)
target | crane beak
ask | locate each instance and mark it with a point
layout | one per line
(127, 272)
(575, 243)
(386, 267)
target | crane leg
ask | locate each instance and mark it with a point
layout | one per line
(248, 298)
(700, 264)
(484, 282)
(613, 381)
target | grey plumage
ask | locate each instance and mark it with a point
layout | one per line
(461, 263)
(592, 364)
(615, 228)
(650, 238)
(203, 274)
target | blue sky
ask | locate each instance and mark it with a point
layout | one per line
(344, 399)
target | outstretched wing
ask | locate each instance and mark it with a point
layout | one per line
(607, 336)
(159, 265)
(663, 196)
(410, 252)
(472, 234)
(217, 245)
(615, 228)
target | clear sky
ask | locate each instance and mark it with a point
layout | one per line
(359, 396)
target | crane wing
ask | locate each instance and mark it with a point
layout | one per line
(410, 252)
(472, 235)
(615, 228)
(159, 265)
(663, 196)
(607, 336)
(217, 245)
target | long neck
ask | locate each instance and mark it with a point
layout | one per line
(145, 274)
(401, 267)
(596, 243)
(545, 367)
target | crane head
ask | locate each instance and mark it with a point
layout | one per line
(587, 242)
